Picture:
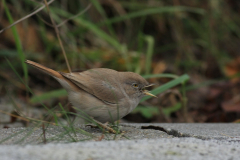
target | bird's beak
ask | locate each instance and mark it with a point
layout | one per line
(149, 94)
(149, 85)
(146, 92)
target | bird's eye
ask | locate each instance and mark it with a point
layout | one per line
(135, 85)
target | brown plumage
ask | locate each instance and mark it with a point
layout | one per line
(104, 94)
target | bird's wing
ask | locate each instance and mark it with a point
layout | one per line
(102, 83)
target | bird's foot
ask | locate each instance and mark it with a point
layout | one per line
(105, 126)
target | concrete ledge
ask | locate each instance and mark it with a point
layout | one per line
(191, 141)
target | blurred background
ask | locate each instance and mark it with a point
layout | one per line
(200, 38)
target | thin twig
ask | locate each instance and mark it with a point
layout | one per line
(44, 134)
(100, 138)
(1, 11)
(66, 20)
(27, 119)
(29, 15)
(13, 115)
(12, 80)
(105, 126)
(82, 12)
(58, 36)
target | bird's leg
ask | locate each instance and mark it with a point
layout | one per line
(105, 126)
(95, 126)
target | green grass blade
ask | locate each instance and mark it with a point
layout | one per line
(29, 132)
(91, 26)
(17, 41)
(168, 85)
(49, 95)
(100, 9)
(11, 136)
(52, 113)
(167, 111)
(150, 47)
(147, 112)
(68, 121)
(162, 75)
(158, 10)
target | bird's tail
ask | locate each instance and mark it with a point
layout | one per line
(44, 69)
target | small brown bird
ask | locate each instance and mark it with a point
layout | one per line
(104, 94)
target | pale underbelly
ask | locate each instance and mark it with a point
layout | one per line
(90, 106)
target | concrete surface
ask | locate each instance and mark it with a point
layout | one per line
(141, 141)
(197, 130)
